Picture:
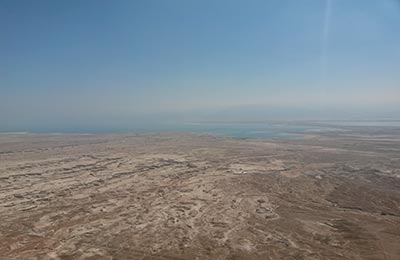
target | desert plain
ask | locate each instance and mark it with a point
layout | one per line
(330, 195)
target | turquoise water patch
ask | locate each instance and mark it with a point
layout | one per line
(254, 131)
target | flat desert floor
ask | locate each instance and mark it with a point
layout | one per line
(181, 196)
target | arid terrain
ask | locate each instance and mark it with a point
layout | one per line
(331, 195)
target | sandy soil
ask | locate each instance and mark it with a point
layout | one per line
(177, 196)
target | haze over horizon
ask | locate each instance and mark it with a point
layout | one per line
(109, 63)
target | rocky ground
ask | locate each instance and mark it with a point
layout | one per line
(181, 196)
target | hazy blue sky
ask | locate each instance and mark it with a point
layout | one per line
(68, 62)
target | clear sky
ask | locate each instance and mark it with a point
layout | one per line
(95, 61)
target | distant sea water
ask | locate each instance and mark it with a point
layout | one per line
(237, 130)
(379, 123)
(286, 130)
(246, 130)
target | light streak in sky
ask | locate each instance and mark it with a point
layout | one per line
(325, 39)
